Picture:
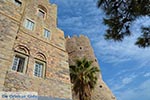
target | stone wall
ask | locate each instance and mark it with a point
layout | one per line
(16, 39)
(16, 82)
(8, 32)
(79, 47)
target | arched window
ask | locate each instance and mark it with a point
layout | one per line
(20, 58)
(40, 56)
(17, 2)
(40, 65)
(22, 49)
(42, 11)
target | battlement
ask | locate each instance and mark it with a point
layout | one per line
(77, 42)
(79, 47)
(77, 37)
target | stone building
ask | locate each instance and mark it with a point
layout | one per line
(33, 53)
(78, 48)
(32, 49)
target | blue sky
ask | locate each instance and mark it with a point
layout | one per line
(125, 67)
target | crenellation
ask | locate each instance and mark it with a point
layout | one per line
(79, 47)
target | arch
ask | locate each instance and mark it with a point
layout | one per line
(42, 8)
(41, 56)
(22, 49)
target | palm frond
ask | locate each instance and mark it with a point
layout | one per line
(84, 77)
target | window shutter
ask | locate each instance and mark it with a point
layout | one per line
(38, 70)
(15, 63)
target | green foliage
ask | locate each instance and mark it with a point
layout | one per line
(144, 40)
(120, 14)
(84, 78)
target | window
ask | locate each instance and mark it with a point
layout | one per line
(95, 60)
(100, 86)
(46, 33)
(17, 2)
(29, 24)
(18, 63)
(38, 69)
(41, 13)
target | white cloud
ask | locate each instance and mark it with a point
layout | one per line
(122, 81)
(84, 17)
(147, 74)
(72, 22)
(140, 92)
(114, 52)
(127, 80)
(79, 17)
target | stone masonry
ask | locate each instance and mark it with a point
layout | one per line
(16, 39)
(78, 48)
(22, 33)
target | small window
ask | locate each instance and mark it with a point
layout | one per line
(95, 60)
(41, 13)
(18, 63)
(100, 86)
(17, 2)
(46, 33)
(38, 69)
(29, 24)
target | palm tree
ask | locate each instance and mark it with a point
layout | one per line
(84, 78)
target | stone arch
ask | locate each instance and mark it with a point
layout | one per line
(22, 49)
(42, 8)
(41, 56)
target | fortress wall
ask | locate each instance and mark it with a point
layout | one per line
(79, 47)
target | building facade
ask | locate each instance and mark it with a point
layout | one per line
(32, 49)
(34, 55)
